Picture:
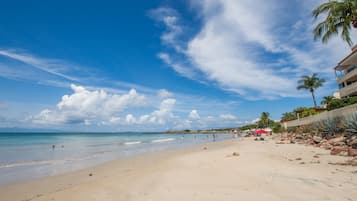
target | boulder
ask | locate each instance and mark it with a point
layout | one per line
(317, 139)
(338, 150)
(354, 145)
(339, 144)
(299, 137)
(353, 162)
(337, 140)
(352, 152)
(235, 154)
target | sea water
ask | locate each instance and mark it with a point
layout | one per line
(27, 156)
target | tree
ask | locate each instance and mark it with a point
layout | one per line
(326, 100)
(310, 83)
(288, 116)
(340, 15)
(264, 120)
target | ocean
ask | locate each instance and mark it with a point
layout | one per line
(28, 156)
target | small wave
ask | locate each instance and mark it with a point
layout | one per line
(29, 163)
(103, 145)
(52, 162)
(132, 143)
(163, 140)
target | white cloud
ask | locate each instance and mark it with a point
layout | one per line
(130, 119)
(163, 93)
(255, 120)
(51, 66)
(256, 50)
(227, 117)
(164, 113)
(85, 105)
(161, 116)
(179, 68)
(170, 18)
(194, 115)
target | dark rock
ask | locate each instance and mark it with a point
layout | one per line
(90, 174)
(235, 154)
(339, 144)
(336, 141)
(317, 139)
(298, 159)
(299, 137)
(354, 146)
(338, 150)
(352, 152)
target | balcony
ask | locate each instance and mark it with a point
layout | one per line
(348, 76)
(349, 90)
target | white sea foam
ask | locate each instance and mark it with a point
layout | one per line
(163, 140)
(51, 162)
(132, 143)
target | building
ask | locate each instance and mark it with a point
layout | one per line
(346, 75)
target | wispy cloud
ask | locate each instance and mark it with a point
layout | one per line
(52, 66)
(21, 65)
(255, 50)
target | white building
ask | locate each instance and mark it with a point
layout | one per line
(346, 75)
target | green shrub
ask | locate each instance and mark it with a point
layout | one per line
(288, 116)
(338, 103)
(292, 129)
(308, 112)
(350, 123)
(330, 127)
(277, 128)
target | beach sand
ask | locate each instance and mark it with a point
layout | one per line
(260, 170)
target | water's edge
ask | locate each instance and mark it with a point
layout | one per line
(25, 157)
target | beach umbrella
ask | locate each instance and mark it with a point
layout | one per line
(260, 131)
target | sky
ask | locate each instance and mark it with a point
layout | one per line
(158, 65)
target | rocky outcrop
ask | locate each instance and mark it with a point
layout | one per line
(339, 145)
(352, 152)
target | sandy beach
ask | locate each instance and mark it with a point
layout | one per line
(260, 170)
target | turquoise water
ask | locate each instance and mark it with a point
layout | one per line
(26, 156)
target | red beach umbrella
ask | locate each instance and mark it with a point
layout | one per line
(260, 131)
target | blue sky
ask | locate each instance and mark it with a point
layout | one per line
(157, 65)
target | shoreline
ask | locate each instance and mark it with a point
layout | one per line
(258, 170)
(42, 155)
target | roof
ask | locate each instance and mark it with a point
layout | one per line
(348, 61)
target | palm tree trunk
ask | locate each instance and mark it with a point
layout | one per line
(313, 98)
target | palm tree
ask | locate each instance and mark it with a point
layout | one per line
(326, 100)
(264, 121)
(340, 16)
(310, 83)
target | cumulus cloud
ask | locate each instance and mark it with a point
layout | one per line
(159, 117)
(255, 50)
(163, 93)
(84, 105)
(194, 115)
